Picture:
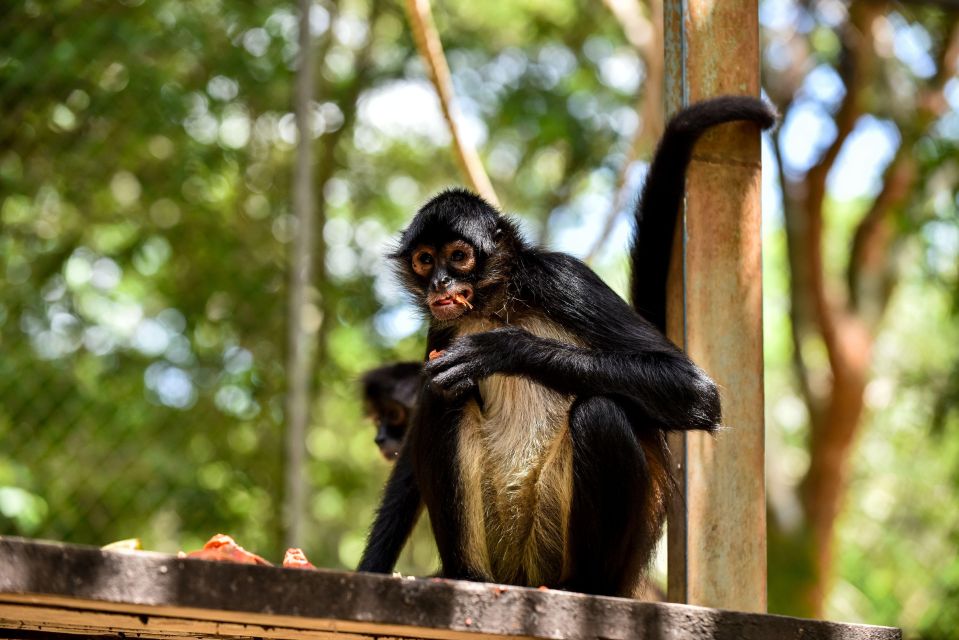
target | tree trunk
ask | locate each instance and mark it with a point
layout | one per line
(845, 313)
(832, 435)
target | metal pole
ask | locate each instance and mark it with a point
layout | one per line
(717, 527)
(302, 334)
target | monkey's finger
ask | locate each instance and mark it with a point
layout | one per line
(450, 359)
(454, 389)
(445, 379)
(436, 367)
(458, 388)
(454, 377)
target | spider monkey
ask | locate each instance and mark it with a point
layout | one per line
(538, 442)
(389, 393)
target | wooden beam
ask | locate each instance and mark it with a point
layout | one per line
(717, 527)
(48, 589)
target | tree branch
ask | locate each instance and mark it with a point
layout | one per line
(799, 303)
(872, 237)
(781, 89)
(857, 60)
(646, 36)
(431, 50)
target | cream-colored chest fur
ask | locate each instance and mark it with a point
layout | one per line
(516, 460)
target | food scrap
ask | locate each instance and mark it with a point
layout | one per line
(459, 298)
(434, 354)
(223, 548)
(130, 544)
(295, 559)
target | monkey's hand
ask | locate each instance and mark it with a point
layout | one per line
(471, 358)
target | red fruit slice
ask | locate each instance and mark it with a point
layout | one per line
(223, 548)
(295, 559)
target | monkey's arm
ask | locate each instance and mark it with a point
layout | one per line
(623, 354)
(403, 498)
(398, 512)
(667, 387)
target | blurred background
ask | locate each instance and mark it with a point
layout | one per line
(146, 232)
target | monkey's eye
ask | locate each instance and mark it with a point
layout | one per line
(460, 254)
(395, 415)
(423, 260)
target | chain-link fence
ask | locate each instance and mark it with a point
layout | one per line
(145, 153)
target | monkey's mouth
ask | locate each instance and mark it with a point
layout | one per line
(450, 305)
(390, 450)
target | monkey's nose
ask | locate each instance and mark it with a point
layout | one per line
(379, 439)
(442, 282)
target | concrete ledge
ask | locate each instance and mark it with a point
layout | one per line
(48, 589)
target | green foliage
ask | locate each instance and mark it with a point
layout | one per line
(146, 157)
(131, 168)
(145, 227)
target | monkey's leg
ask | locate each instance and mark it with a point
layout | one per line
(611, 498)
(435, 444)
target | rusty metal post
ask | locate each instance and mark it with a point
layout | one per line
(717, 527)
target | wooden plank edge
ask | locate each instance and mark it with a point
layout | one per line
(49, 611)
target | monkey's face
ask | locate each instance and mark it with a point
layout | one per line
(445, 273)
(389, 395)
(453, 256)
(390, 420)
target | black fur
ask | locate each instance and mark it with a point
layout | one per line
(609, 546)
(398, 513)
(389, 393)
(629, 384)
(663, 193)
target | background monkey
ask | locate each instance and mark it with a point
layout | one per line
(389, 393)
(538, 446)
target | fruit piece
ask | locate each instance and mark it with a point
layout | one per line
(222, 548)
(295, 559)
(130, 544)
(434, 354)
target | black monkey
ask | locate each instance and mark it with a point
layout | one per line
(538, 445)
(389, 393)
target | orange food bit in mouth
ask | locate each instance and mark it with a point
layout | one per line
(459, 298)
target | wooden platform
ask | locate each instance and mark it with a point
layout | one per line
(51, 590)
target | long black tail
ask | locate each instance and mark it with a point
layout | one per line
(658, 207)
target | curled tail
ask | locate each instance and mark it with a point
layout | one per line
(662, 195)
